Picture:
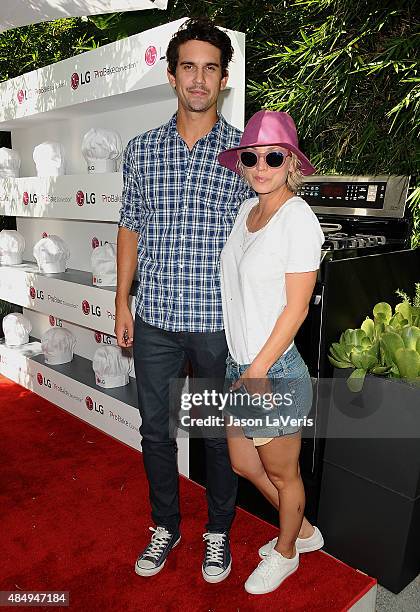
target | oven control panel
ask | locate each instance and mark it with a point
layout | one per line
(380, 196)
(369, 195)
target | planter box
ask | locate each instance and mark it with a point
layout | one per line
(370, 527)
(370, 492)
(376, 433)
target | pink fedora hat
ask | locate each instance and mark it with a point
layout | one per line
(267, 128)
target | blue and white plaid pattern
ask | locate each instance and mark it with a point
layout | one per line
(183, 205)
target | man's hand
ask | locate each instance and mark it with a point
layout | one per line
(124, 326)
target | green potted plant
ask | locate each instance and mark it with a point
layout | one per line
(370, 492)
(386, 345)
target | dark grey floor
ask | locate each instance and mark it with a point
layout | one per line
(406, 601)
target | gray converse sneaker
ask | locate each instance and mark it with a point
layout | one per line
(217, 560)
(303, 545)
(153, 557)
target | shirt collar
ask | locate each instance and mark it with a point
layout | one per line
(212, 137)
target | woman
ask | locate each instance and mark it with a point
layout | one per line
(268, 271)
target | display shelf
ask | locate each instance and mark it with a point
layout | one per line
(72, 387)
(80, 369)
(90, 108)
(128, 72)
(82, 238)
(87, 197)
(69, 295)
(123, 67)
(87, 340)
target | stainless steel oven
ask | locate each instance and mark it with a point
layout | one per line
(365, 222)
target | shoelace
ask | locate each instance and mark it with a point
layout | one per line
(214, 547)
(265, 567)
(160, 539)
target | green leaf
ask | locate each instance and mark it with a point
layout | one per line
(338, 364)
(354, 337)
(391, 342)
(368, 361)
(366, 343)
(384, 309)
(339, 350)
(408, 362)
(380, 370)
(397, 320)
(404, 308)
(355, 380)
(415, 314)
(410, 334)
(368, 327)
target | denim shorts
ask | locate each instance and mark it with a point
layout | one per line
(281, 413)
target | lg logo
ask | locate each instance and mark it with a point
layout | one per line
(151, 55)
(96, 242)
(79, 79)
(102, 338)
(43, 381)
(93, 406)
(85, 198)
(87, 309)
(22, 95)
(29, 198)
(36, 293)
(55, 322)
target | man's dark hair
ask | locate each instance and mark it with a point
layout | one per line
(204, 30)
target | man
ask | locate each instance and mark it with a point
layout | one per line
(179, 206)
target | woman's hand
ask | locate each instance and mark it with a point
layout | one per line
(255, 381)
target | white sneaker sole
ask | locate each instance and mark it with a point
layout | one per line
(273, 588)
(219, 577)
(140, 571)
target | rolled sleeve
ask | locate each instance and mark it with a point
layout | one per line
(131, 209)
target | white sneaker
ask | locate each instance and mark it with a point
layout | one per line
(270, 573)
(303, 545)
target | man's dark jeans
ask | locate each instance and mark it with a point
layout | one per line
(160, 356)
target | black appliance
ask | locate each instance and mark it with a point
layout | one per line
(365, 221)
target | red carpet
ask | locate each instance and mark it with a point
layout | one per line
(74, 514)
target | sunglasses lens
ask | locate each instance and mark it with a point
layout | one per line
(249, 159)
(274, 159)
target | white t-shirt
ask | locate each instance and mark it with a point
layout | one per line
(253, 267)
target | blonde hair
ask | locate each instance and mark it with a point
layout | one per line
(294, 179)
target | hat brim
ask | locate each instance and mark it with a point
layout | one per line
(229, 158)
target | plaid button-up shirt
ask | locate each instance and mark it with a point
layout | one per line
(183, 205)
